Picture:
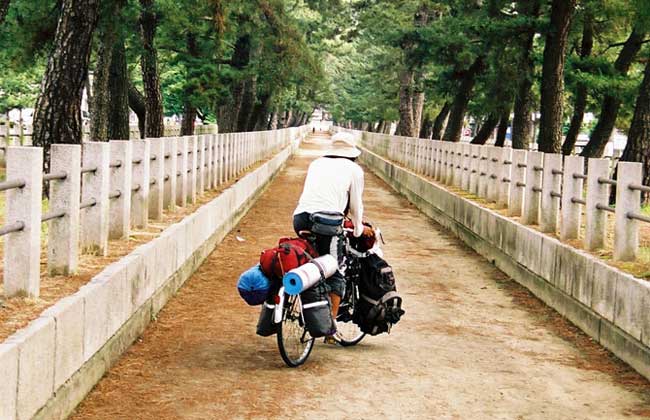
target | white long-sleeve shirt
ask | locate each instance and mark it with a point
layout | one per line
(329, 183)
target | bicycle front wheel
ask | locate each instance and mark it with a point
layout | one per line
(294, 342)
(348, 333)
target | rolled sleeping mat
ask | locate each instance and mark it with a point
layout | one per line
(308, 275)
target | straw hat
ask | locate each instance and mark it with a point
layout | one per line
(341, 147)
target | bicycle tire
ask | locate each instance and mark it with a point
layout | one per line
(287, 331)
(345, 318)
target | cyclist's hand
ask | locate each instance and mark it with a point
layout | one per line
(368, 232)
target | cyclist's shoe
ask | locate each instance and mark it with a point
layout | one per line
(331, 339)
(334, 338)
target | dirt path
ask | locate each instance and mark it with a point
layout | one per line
(473, 344)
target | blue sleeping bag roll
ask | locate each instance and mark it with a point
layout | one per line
(254, 286)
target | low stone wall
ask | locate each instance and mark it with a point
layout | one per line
(48, 367)
(607, 304)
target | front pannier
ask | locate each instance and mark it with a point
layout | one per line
(380, 306)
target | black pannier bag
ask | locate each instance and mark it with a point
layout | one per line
(265, 325)
(379, 306)
(317, 312)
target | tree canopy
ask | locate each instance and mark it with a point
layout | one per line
(430, 68)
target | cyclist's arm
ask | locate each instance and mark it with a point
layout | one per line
(356, 201)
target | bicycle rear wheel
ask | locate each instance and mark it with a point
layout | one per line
(294, 342)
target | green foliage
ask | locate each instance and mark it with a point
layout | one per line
(346, 55)
(196, 42)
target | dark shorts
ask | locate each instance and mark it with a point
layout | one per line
(336, 283)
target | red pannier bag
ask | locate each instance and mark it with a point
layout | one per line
(289, 254)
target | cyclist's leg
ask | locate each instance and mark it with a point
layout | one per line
(301, 222)
(336, 285)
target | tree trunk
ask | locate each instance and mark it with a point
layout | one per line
(273, 121)
(248, 104)
(406, 121)
(522, 121)
(381, 127)
(459, 106)
(58, 110)
(427, 127)
(612, 103)
(189, 118)
(4, 8)
(189, 108)
(258, 121)
(118, 112)
(137, 103)
(154, 118)
(418, 109)
(486, 130)
(580, 104)
(240, 60)
(550, 134)
(100, 103)
(503, 129)
(638, 142)
(298, 119)
(288, 116)
(440, 121)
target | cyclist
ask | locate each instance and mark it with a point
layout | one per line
(334, 183)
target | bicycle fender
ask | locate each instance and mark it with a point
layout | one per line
(277, 315)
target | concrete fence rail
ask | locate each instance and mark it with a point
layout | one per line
(20, 134)
(544, 189)
(48, 367)
(100, 190)
(606, 303)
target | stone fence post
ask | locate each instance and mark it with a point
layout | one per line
(201, 165)
(628, 201)
(572, 201)
(493, 173)
(439, 169)
(119, 219)
(227, 158)
(483, 172)
(458, 165)
(65, 197)
(193, 161)
(517, 183)
(209, 162)
(532, 194)
(140, 183)
(503, 177)
(449, 164)
(157, 182)
(219, 154)
(551, 193)
(466, 166)
(182, 168)
(94, 196)
(597, 196)
(171, 173)
(22, 248)
(474, 168)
